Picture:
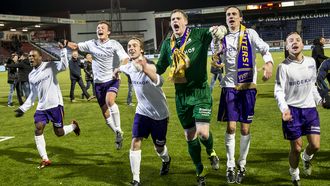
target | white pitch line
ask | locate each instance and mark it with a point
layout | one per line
(4, 138)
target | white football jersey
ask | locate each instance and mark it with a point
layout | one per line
(231, 52)
(107, 56)
(44, 84)
(151, 99)
(295, 84)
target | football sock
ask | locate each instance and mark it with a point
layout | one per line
(208, 143)
(244, 149)
(294, 173)
(41, 146)
(194, 149)
(135, 160)
(69, 128)
(114, 111)
(230, 148)
(110, 123)
(164, 155)
(307, 157)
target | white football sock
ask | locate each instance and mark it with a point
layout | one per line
(294, 173)
(110, 123)
(114, 111)
(69, 128)
(135, 160)
(164, 155)
(244, 149)
(41, 146)
(230, 148)
(307, 157)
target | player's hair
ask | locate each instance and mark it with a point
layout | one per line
(25, 55)
(38, 51)
(291, 33)
(181, 11)
(239, 10)
(140, 41)
(106, 23)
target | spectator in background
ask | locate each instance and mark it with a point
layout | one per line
(23, 70)
(318, 52)
(11, 77)
(75, 75)
(88, 74)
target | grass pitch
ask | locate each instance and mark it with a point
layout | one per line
(91, 158)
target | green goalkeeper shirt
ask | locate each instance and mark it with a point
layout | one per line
(196, 49)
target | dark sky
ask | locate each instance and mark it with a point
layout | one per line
(46, 7)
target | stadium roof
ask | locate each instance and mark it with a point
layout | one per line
(42, 7)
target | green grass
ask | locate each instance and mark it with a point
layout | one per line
(91, 159)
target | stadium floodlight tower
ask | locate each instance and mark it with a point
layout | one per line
(115, 17)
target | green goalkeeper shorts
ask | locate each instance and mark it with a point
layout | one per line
(193, 105)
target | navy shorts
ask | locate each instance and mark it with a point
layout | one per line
(305, 121)
(237, 105)
(101, 90)
(54, 115)
(143, 126)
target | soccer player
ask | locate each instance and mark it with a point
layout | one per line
(105, 51)
(186, 53)
(152, 113)
(238, 93)
(44, 85)
(297, 97)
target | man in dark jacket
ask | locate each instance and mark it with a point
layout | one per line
(318, 51)
(23, 70)
(322, 86)
(75, 75)
(11, 77)
(89, 74)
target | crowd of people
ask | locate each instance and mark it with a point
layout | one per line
(185, 53)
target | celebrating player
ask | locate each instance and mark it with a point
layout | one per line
(44, 84)
(297, 97)
(238, 93)
(186, 53)
(152, 113)
(105, 51)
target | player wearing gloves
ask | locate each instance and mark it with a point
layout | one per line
(297, 97)
(44, 85)
(186, 54)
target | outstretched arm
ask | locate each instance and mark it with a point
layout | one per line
(72, 45)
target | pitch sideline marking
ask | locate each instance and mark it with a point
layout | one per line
(4, 138)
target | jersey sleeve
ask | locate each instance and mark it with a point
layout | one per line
(279, 89)
(121, 52)
(124, 68)
(29, 102)
(63, 63)
(164, 60)
(84, 46)
(261, 45)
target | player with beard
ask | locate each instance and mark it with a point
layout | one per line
(186, 54)
(45, 86)
(152, 113)
(297, 98)
(238, 95)
(105, 52)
